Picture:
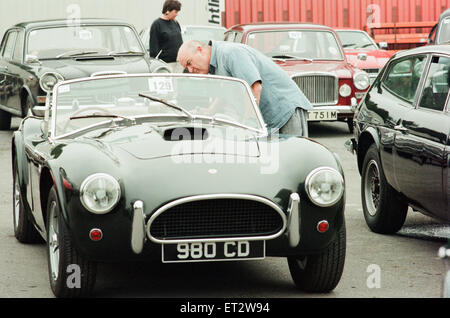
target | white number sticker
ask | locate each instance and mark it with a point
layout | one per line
(160, 85)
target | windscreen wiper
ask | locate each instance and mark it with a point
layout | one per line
(163, 101)
(75, 53)
(288, 56)
(96, 115)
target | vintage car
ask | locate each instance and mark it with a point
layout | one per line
(402, 131)
(203, 33)
(440, 33)
(174, 167)
(362, 51)
(55, 50)
(313, 57)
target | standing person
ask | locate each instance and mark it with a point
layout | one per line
(283, 105)
(165, 34)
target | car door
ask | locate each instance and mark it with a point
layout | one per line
(407, 147)
(386, 105)
(16, 73)
(426, 129)
(8, 43)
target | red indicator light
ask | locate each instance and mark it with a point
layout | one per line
(96, 235)
(323, 226)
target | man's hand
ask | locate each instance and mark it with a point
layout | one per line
(256, 89)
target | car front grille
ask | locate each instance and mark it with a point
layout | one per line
(216, 218)
(319, 89)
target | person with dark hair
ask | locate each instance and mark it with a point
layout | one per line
(165, 34)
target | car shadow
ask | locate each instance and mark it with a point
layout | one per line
(328, 129)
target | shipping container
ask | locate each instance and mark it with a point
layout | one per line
(358, 14)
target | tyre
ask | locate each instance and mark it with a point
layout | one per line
(383, 211)
(350, 125)
(5, 120)
(70, 274)
(320, 273)
(24, 230)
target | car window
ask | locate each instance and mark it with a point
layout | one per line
(356, 40)
(444, 31)
(437, 84)
(18, 50)
(102, 39)
(311, 44)
(230, 36)
(403, 76)
(8, 50)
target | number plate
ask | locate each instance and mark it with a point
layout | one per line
(318, 115)
(213, 251)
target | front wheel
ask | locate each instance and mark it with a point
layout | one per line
(70, 274)
(320, 273)
(383, 211)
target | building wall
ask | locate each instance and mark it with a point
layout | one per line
(141, 13)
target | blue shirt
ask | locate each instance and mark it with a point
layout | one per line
(280, 96)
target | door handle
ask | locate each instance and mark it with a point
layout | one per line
(401, 128)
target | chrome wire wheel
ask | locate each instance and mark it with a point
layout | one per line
(53, 242)
(372, 187)
(16, 199)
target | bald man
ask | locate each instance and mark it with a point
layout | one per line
(283, 105)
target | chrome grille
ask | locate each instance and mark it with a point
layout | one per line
(319, 89)
(216, 218)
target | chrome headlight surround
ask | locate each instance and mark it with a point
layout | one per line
(324, 186)
(345, 90)
(100, 193)
(162, 70)
(49, 80)
(361, 80)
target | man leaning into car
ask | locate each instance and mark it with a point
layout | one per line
(283, 105)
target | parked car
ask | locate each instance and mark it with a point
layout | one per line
(440, 33)
(203, 33)
(314, 58)
(362, 51)
(163, 175)
(54, 50)
(402, 137)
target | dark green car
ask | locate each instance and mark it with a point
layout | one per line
(174, 167)
(33, 54)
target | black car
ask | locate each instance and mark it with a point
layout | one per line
(441, 30)
(402, 130)
(37, 53)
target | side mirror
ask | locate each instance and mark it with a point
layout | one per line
(383, 45)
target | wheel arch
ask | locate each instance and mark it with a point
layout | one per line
(366, 139)
(46, 182)
(24, 92)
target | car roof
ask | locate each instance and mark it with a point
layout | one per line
(440, 48)
(64, 22)
(278, 26)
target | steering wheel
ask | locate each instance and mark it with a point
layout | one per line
(82, 110)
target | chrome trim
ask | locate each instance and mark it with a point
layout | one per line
(103, 73)
(211, 197)
(293, 227)
(336, 83)
(138, 237)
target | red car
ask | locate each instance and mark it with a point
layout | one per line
(362, 51)
(314, 58)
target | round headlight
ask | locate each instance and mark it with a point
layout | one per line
(345, 90)
(361, 80)
(324, 186)
(99, 193)
(49, 80)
